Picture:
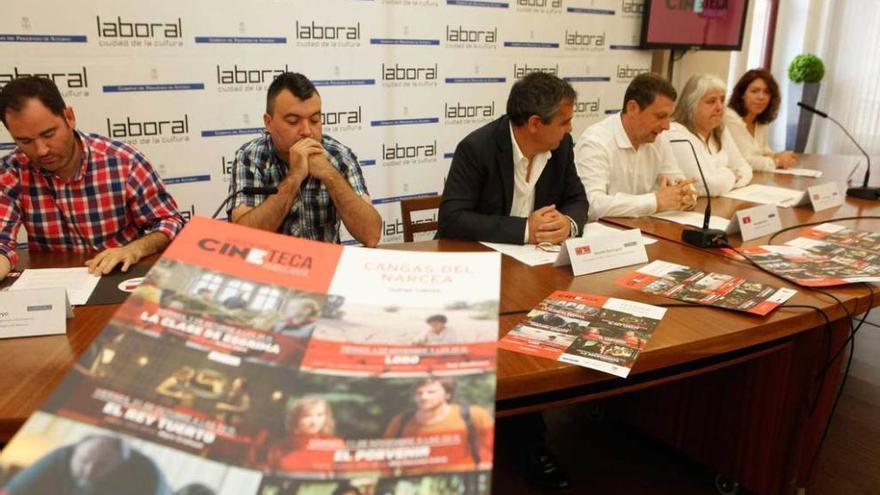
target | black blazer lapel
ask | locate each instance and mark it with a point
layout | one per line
(504, 161)
(546, 182)
(550, 184)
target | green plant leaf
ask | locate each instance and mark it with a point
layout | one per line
(806, 68)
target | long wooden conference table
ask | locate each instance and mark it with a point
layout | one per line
(745, 395)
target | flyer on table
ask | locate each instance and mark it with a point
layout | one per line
(596, 332)
(844, 236)
(712, 289)
(811, 269)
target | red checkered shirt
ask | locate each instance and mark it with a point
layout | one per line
(113, 199)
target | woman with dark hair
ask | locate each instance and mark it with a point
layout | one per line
(753, 105)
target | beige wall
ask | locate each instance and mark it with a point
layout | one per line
(697, 62)
(693, 62)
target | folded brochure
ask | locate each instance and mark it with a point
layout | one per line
(712, 289)
(596, 332)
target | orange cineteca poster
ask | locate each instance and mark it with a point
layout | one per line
(253, 363)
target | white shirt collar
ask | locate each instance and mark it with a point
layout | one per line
(518, 155)
(519, 158)
(620, 135)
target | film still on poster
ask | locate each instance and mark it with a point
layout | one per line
(280, 366)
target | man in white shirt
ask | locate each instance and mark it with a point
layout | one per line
(627, 167)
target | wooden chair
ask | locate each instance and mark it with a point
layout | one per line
(407, 206)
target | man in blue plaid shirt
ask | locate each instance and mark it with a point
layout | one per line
(318, 178)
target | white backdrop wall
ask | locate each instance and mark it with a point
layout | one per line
(402, 81)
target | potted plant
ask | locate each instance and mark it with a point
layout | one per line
(805, 72)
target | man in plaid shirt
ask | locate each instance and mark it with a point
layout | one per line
(319, 180)
(74, 191)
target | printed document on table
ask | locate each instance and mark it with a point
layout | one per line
(78, 282)
(596, 228)
(768, 195)
(693, 219)
(801, 172)
(530, 254)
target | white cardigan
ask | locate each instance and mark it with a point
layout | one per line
(719, 164)
(753, 148)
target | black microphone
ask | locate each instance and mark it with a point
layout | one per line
(702, 237)
(814, 110)
(863, 192)
(245, 190)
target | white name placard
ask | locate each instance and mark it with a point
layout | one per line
(603, 252)
(758, 221)
(29, 312)
(825, 196)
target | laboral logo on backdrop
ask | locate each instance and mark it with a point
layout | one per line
(626, 72)
(119, 31)
(457, 112)
(520, 70)
(231, 78)
(459, 36)
(545, 6)
(342, 120)
(392, 229)
(136, 131)
(327, 35)
(398, 75)
(405, 153)
(226, 163)
(187, 213)
(632, 8)
(585, 108)
(578, 40)
(72, 81)
(392, 223)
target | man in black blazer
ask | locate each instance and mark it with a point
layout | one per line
(514, 179)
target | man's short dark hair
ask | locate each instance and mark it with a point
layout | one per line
(298, 84)
(15, 95)
(195, 489)
(440, 318)
(345, 488)
(644, 89)
(538, 93)
(446, 382)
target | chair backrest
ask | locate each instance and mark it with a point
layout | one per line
(407, 206)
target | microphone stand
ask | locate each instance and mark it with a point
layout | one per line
(702, 237)
(865, 191)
